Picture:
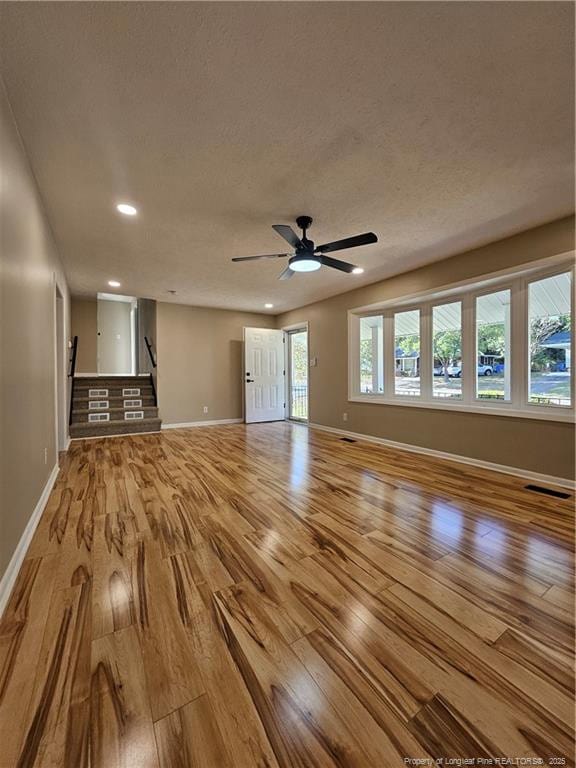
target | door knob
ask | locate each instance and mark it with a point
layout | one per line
(249, 381)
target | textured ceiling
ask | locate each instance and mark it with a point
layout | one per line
(439, 126)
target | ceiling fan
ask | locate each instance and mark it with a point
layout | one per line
(306, 256)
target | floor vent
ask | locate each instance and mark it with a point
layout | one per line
(94, 405)
(132, 403)
(133, 415)
(131, 392)
(547, 491)
(97, 393)
(347, 440)
(98, 417)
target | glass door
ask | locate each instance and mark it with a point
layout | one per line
(298, 374)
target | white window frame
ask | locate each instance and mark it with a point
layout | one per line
(421, 335)
(513, 287)
(443, 303)
(519, 405)
(358, 361)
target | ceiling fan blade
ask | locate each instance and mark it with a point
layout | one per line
(348, 242)
(343, 266)
(288, 234)
(287, 274)
(265, 256)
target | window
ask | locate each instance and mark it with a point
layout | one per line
(447, 350)
(549, 338)
(371, 354)
(502, 346)
(407, 353)
(493, 346)
(298, 374)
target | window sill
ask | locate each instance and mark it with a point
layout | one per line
(552, 413)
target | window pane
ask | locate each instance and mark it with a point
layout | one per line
(493, 346)
(371, 354)
(407, 352)
(447, 350)
(550, 331)
(298, 345)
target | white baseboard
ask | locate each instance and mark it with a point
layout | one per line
(85, 375)
(9, 577)
(213, 423)
(562, 482)
(115, 434)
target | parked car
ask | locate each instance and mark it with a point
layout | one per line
(483, 370)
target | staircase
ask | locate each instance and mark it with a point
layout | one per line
(113, 405)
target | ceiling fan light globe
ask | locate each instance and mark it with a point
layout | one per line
(304, 265)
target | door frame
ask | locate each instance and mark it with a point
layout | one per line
(288, 329)
(116, 299)
(60, 367)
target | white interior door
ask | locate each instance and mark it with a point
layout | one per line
(264, 374)
(114, 337)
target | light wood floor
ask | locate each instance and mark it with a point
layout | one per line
(233, 597)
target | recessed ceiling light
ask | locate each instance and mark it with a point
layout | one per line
(113, 283)
(126, 209)
(357, 271)
(269, 306)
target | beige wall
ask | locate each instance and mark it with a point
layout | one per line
(29, 271)
(84, 322)
(538, 446)
(200, 361)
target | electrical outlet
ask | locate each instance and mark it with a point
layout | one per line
(205, 409)
(45, 455)
(344, 417)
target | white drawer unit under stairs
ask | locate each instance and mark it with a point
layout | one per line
(113, 405)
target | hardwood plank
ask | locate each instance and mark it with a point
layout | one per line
(443, 731)
(386, 739)
(121, 728)
(420, 577)
(190, 738)
(21, 632)
(439, 635)
(301, 723)
(113, 552)
(234, 709)
(171, 669)
(554, 666)
(563, 598)
(59, 712)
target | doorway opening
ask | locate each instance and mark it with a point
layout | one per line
(297, 373)
(60, 364)
(116, 335)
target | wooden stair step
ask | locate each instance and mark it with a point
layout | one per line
(81, 403)
(115, 427)
(116, 414)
